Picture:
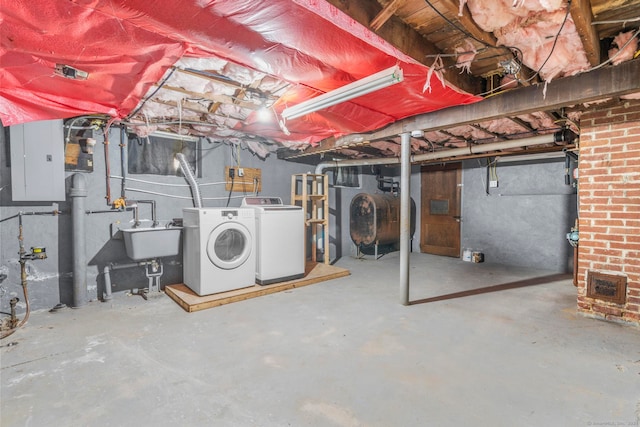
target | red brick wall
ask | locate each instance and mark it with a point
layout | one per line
(609, 205)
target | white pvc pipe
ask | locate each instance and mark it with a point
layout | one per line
(405, 215)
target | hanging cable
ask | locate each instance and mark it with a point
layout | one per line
(621, 48)
(144, 101)
(555, 42)
(510, 49)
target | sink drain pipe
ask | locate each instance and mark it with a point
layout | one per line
(78, 194)
(112, 267)
(107, 276)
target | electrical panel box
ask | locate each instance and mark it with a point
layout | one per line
(37, 161)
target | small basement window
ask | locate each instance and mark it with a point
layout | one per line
(156, 155)
(347, 177)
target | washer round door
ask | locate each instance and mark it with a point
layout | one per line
(229, 245)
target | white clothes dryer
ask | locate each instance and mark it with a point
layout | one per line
(279, 239)
(218, 249)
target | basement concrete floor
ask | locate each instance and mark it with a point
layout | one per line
(337, 353)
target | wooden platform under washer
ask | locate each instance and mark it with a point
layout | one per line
(190, 301)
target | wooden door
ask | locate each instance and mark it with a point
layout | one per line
(440, 209)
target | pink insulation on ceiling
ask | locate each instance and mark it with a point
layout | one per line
(531, 26)
(466, 53)
(387, 147)
(503, 127)
(126, 46)
(469, 132)
(626, 47)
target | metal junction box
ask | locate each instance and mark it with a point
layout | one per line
(37, 161)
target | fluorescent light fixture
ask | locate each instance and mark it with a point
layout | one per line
(171, 135)
(377, 81)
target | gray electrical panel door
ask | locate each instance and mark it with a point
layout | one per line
(37, 161)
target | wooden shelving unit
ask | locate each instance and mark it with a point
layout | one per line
(311, 191)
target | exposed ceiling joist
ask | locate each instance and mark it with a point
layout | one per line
(223, 99)
(384, 15)
(468, 23)
(405, 38)
(596, 85)
(521, 122)
(587, 87)
(582, 17)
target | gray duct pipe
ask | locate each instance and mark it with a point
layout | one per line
(405, 216)
(454, 152)
(78, 193)
(188, 175)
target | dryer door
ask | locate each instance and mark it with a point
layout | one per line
(229, 245)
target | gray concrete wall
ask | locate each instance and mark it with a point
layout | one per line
(51, 282)
(524, 221)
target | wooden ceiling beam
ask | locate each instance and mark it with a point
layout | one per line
(582, 17)
(520, 122)
(223, 99)
(466, 20)
(384, 15)
(406, 39)
(587, 87)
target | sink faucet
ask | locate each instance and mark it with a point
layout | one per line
(136, 218)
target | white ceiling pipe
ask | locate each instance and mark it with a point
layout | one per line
(454, 152)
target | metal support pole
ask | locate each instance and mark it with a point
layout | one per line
(405, 216)
(78, 194)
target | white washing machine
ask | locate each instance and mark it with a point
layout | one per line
(218, 249)
(279, 239)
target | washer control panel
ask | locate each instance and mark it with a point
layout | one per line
(262, 201)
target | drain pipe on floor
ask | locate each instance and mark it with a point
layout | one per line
(78, 194)
(405, 215)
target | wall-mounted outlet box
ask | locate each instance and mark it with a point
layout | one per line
(243, 180)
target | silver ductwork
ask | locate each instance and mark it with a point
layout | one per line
(188, 175)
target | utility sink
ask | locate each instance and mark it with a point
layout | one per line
(151, 242)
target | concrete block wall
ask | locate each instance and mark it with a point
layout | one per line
(609, 196)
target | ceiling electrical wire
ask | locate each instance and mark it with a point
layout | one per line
(616, 21)
(537, 73)
(144, 101)
(621, 48)
(510, 49)
(555, 42)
